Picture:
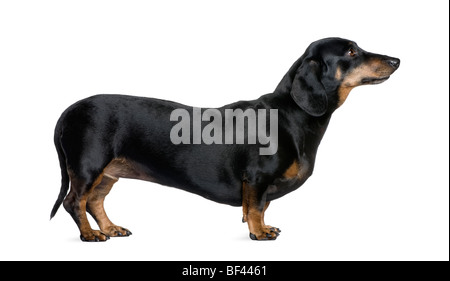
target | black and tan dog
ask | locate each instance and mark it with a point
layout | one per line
(106, 137)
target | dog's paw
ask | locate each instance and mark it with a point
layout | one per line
(116, 231)
(94, 236)
(275, 229)
(266, 233)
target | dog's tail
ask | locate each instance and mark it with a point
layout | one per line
(62, 162)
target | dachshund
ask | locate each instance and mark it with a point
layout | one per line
(106, 137)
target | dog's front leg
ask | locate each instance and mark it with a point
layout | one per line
(254, 205)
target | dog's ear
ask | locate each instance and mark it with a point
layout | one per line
(307, 89)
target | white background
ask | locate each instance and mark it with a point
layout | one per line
(380, 190)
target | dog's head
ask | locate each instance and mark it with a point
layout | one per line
(329, 69)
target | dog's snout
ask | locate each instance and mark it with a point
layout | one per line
(393, 62)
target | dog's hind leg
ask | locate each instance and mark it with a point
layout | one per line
(95, 207)
(75, 205)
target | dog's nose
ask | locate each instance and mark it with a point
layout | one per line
(393, 62)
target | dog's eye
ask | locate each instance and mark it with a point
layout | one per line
(351, 52)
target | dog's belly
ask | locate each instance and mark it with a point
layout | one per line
(219, 192)
(225, 192)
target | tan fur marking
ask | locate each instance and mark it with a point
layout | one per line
(338, 75)
(343, 93)
(374, 68)
(298, 169)
(292, 171)
(124, 168)
(109, 176)
(244, 202)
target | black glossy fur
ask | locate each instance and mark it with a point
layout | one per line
(93, 132)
